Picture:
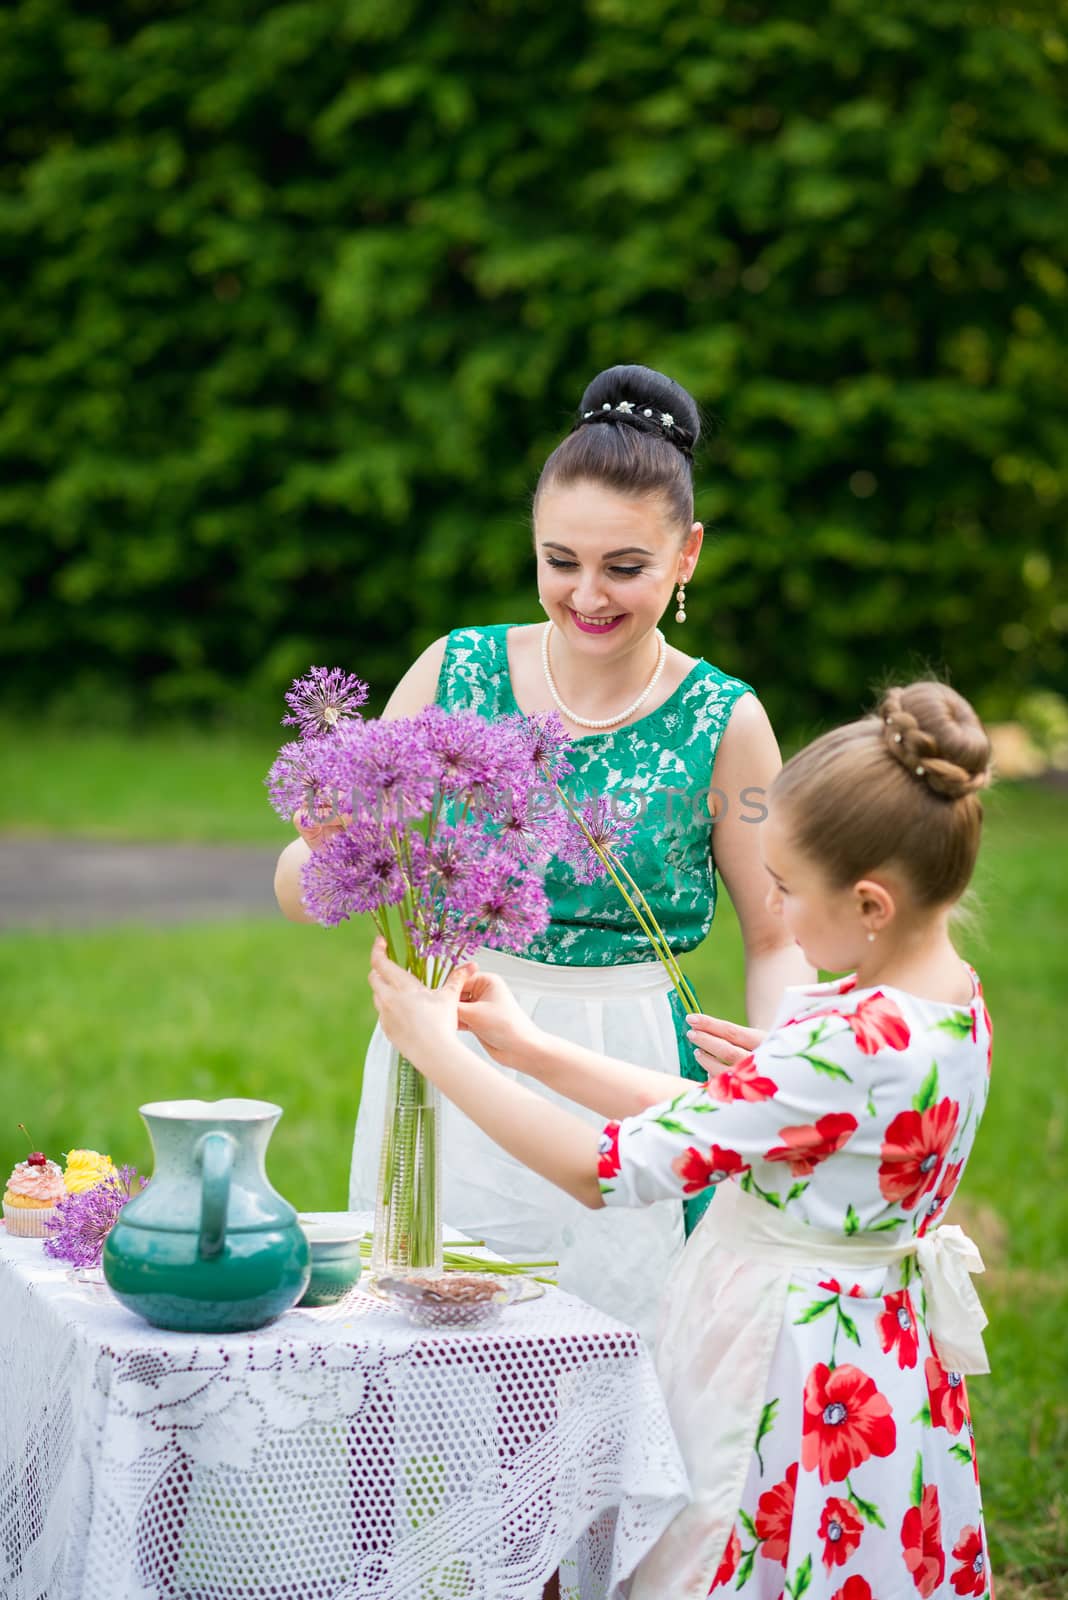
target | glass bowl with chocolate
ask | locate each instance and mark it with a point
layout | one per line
(452, 1300)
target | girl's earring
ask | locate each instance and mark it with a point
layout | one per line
(680, 601)
(871, 937)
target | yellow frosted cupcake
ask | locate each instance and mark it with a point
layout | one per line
(85, 1169)
(33, 1192)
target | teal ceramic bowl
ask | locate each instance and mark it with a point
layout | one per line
(335, 1259)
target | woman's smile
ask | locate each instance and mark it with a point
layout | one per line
(595, 624)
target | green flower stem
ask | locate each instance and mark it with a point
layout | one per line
(686, 994)
(406, 1220)
(380, 919)
(408, 910)
(460, 1261)
(427, 1155)
(471, 1263)
(644, 918)
(407, 1223)
(651, 928)
(417, 1163)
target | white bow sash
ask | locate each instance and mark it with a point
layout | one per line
(947, 1258)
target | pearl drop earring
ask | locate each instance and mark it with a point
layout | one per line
(871, 937)
(680, 601)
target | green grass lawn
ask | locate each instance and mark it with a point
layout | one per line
(94, 1024)
(183, 785)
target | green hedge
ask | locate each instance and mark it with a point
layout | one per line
(299, 295)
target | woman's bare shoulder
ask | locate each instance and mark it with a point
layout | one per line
(525, 636)
(678, 665)
(419, 686)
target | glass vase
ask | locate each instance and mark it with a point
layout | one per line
(407, 1227)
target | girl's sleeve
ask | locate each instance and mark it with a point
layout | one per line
(803, 1095)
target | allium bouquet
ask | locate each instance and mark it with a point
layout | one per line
(444, 824)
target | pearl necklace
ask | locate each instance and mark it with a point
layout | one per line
(603, 722)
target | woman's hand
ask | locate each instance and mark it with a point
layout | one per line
(415, 1019)
(490, 1011)
(316, 834)
(719, 1043)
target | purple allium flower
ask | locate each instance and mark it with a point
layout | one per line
(447, 867)
(462, 748)
(433, 943)
(511, 907)
(544, 741)
(319, 702)
(446, 880)
(601, 825)
(385, 769)
(356, 870)
(83, 1221)
(534, 827)
(299, 781)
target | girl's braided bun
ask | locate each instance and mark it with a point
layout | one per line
(899, 788)
(937, 737)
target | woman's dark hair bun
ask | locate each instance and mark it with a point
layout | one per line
(635, 434)
(646, 390)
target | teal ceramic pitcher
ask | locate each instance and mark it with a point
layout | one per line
(208, 1245)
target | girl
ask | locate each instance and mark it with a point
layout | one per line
(813, 1336)
(653, 729)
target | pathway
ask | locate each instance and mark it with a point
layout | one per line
(86, 883)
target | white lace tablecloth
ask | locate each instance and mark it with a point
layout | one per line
(339, 1454)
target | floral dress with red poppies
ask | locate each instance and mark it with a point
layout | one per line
(856, 1114)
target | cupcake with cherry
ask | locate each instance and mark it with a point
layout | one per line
(34, 1190)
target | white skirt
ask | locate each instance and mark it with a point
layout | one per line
(619, 1260)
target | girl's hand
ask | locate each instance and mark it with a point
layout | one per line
(415, 1019)
(719, 1043)
(490, 1011)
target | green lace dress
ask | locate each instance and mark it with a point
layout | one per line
(590, 977)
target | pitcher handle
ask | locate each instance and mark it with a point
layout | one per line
(215, 1153)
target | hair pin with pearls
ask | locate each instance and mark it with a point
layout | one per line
(919, 771)
(627, 409)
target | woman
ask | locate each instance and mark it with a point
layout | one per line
(660, 734)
